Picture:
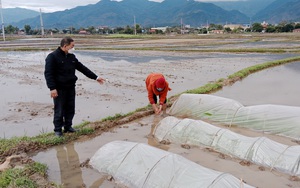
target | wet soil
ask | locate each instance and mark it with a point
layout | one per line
(27, 109)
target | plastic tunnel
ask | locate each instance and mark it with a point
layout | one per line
(259, 150)
(138, 165)
(273, 119)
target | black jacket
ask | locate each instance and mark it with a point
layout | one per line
(60, 70)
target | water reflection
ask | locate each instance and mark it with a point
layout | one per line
(99, 182)
(71, 174)
(151, 139)
(109, 57)
(135, 59)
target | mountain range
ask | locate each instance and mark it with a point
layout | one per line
(17, 14)
(248, 7)
(280, 10)
(167, 13)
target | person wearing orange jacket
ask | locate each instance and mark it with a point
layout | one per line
(157, 86)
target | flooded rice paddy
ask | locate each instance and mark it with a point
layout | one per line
(64, 161)
(26, 106)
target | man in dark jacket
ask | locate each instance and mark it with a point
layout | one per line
(60, 78)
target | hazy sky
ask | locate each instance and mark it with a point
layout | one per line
(57, 5)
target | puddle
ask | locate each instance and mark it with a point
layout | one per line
(64, 161)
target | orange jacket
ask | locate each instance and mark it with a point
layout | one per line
(150, 85)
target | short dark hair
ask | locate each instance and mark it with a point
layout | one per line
(66, 41)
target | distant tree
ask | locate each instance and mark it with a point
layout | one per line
(278, 28)
(35, 32)
(168, 30)
(176, 29)
(202, 30)
(91, 29)
(66, 31)
(270, 29)
(248, 30)
(73, 30)
(128, 30)
(138, 28)
(27, 29)
(238, 30)
(55, 30)
(288, 28)
(284, 27)
(159, 31)
(227, 30)
(219, 27)
(212, 27)
(119, 30)
(257, 27)
(297, 26)
(11, 29)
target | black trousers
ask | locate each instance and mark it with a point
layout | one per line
(64, 108)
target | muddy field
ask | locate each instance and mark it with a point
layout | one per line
(26, 106)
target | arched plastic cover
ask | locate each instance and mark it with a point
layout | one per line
(259, 150)
(138, 165)
(273, 119)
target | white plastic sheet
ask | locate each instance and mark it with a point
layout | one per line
(138, 165)
(259, 150)
(273, 119)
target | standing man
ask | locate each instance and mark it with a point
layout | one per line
(157, 86)
(60, 77)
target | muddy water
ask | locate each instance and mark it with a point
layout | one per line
(274, 86)
(26, 106)
(278, 85)
(64, 161)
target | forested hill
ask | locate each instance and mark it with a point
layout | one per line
(17, 14)
(146, 13)
(167, 13)
(279, 11)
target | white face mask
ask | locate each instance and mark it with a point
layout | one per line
(71, 51)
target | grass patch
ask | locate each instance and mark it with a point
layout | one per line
(111, 118)
(16, 178)
(20, 177)
(206, 88)
(245, 72)
(127, 36)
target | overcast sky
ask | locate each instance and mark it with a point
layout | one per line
(57, 5)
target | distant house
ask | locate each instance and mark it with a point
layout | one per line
(152, 31)
(233, 26)
(83, 32)
(21, 32)
(264, 24)
(163, 29)
(217, 31)
(296, 31)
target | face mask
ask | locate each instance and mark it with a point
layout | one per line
(71, 51)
